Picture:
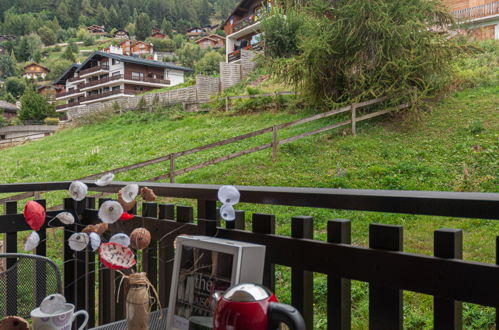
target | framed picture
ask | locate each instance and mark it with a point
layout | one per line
(204, 265)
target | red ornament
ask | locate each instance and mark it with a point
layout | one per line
(34, 214)
(116, 256)
(126, 216)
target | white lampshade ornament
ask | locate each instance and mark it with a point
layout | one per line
(53, 304)
(228, 195)
(32, 241)
(105, 180)
(120, 238)
(78, 241)
(66, 218)
(110, 211)
(129, 192)
(227, 212)
(94, 241)
(78, 190)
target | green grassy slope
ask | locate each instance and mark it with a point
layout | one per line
(453, 147)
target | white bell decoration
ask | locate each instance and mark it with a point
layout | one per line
(66, 218)
(94, 241)
(105, 180)
(78, 190)
(32, 241)
(78, 241)
(120, 238)
(227, 212)
(110, 211)
(53, 304)
(228, 195)
(129, 192)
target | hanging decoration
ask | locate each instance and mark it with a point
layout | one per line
(116, 256)
(120, 238)
(78, 190)
(53, 303)
(66, 218)
(147, 194)
(34, 214)
(78, 241)
(126, 216)
(99, 229)
(110, 211)
(129, 192)
(94, 241)
(140, 238)
(32, 241)
(105, 180)
(126, 206)
(228, 196)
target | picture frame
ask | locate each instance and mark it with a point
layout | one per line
(204, 265)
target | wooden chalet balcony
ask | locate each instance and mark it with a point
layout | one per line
(478, 11)
(106, 94)
(101, 81)
(74, 79)
(149, 80)
(383, 265)
(236, 55)
(242, 24)
(94, 69)
(67, 105)
(66, 93)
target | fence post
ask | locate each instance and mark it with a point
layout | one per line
(172, 169)
(354, 115)
(302, 282)
(275, 143)
(385, 304)
(339, 289)
(10, 240)
(227, 103)
(265, 224)
(447, 314)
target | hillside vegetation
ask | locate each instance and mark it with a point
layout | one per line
(452, 147)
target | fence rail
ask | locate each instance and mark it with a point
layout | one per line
(485, 10)
(383, 264)
(273, 144)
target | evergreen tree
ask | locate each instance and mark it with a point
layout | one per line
(23, 50)
(34, 106)
(68, 55)
(204, 12)
(62, 14)
(112, 19)
(15, 86)
(166, 27)
(143, 26)
(7, 67)
(47, 35)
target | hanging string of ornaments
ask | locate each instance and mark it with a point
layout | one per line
(118, 252)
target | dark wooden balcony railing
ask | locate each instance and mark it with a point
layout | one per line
(74, 79)
(74, 91)
(106, 94)
(485, 10)
(101, 81)
(244, 22)
(148, 79)
(388, 270)
(67, 105)
(94, 69)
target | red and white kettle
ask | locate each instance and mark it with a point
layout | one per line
(253, 307)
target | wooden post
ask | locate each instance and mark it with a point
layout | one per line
(172, 169)
(275, 143)
(385, 304)
(354, 115)
(227, 103)
(447, 314)
(276, 101)
(339, 311)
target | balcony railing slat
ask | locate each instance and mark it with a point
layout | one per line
(150, 255)
(90, 262)
(265, 224)
(11, 247)
(166, 254)
(339, 309)
(41, 273)
(385, 304)
(448, 313)
(69, 263)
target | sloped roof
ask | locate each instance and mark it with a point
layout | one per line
(66, 73)
(36, 64)
(4, 105)
(135, 60)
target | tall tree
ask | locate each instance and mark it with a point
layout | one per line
(7, 67)
(34, 106)
(166, 27)
(143, 26)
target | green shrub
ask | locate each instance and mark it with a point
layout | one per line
(51, 121)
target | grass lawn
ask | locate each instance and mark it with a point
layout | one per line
(451, 147)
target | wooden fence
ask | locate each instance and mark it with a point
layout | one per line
(274, 144)
(383, 264)
(228, 99)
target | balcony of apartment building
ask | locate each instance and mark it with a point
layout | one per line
(69, 93)
(64, 107)
(134, 78)
(482, 12)
(108, 95)
(94, 70)
(254, 44)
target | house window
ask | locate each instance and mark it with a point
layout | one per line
(138, 75)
